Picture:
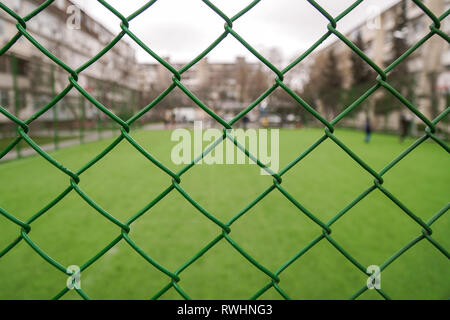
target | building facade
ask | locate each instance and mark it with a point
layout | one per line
(29, 79)
(428, 66)
(225, 87)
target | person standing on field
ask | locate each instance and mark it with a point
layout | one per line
(245, 121)
(368, 129)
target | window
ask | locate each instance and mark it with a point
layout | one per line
(11, 103)
(22, 67)
(40, 100)
(21, 100)
(4, 61)
(4, 98)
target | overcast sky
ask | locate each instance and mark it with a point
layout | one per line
(182, 29)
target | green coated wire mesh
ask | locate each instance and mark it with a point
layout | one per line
(174, 276)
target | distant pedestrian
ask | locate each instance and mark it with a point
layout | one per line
(245, 121)
(173, 120)
(368, 129)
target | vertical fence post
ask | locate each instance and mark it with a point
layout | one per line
(122, 102)
(99, 119)
(14, 71)
(55, 109)
(82, 118)
(113, 104)
(132, 102)
(99, 125)
(447, 103)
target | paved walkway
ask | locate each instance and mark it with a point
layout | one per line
(88, 137)
(12, 155)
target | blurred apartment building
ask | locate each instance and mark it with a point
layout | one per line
(429, 65)
(117, 80)
(122, 84)
(38, 79)
(226, 87)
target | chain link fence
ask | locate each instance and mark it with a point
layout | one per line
(174, 276)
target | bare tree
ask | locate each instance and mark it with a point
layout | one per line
(259, 82)
(242, 77)
(361, 71)
(399, 77)
(362, 75)
(329, 83)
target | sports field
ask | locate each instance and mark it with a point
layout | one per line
(272, 232)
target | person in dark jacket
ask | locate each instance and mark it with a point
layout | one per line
(368, 129)
(245, 121)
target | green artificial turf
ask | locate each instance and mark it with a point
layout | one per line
(272, 232)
